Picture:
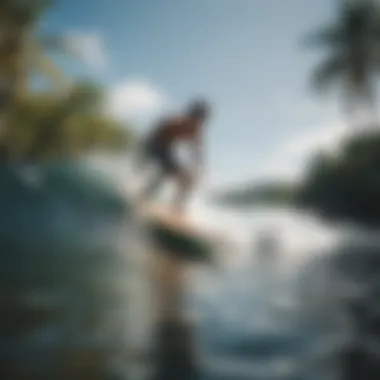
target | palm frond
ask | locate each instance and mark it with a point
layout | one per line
(327, 72)
(85, 96)
(25, 13)
(48, 67)
(331, 36)
(58, 44)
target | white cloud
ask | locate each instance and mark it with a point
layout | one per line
(135, 98)
(90, 47)
(321, 138)
(291, 159)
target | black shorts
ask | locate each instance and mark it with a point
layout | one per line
(164, 157)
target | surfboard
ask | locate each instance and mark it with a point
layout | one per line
(171, 219)
(176, 233)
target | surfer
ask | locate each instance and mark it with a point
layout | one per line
(159, 148)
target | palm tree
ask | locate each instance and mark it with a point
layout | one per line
(22, 55)
(22, 48)
(353, 48)
(46, 126)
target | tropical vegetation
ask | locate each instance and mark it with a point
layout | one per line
(351, 61)
(60, 119)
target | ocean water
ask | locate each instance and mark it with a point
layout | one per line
(252, 323)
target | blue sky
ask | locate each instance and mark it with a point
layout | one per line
(246, 56)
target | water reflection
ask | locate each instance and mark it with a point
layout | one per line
(254, 326)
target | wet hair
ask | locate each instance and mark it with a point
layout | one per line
(198, 109)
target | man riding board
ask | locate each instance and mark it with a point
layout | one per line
(159, 148)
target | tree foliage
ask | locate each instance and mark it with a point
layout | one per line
(45, 126)
(352, 46)
(64, 120)
(343, 186)
(23, 48)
